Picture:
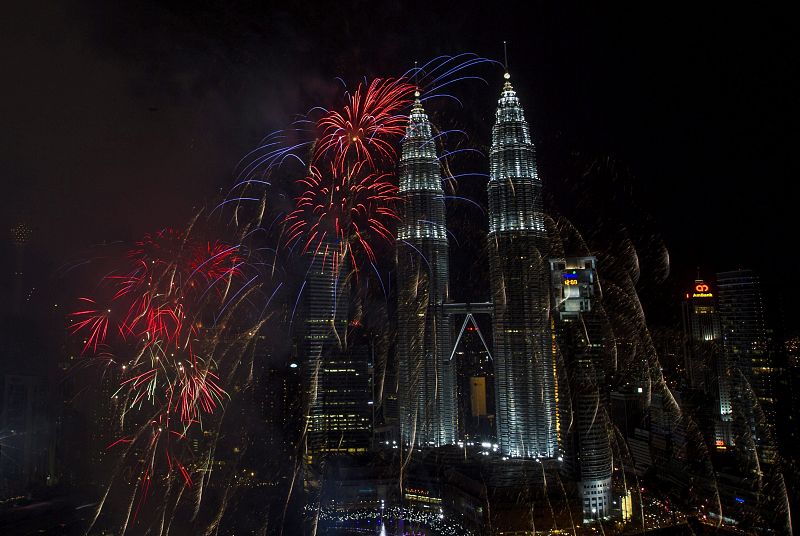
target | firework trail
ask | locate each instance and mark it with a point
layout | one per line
(167, 330)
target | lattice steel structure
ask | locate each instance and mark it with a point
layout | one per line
(524, 365)
(426, 375)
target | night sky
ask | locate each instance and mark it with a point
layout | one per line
(119, 119)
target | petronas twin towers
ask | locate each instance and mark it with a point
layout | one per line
(523, 355)
(426, 374)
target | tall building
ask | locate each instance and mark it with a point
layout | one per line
(426, 375)
(579, 333)
(746, 347)
(707, 369)
(523, 358)
(337, 379)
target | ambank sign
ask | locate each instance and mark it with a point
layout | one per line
(701, 290)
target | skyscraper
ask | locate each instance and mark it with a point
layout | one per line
(524, 365)
(426, 375)
(753, 373)
(702, 332)
(337, 381)
(581, 338)
(707, 369)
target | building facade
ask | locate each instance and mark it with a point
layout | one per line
(336, 378)
(426, 373)
(752, 370)
(707, 368)
(524, 365)
(580, 336)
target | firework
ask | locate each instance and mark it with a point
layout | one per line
(349, 209)
(154, 306)
(167, 318)
(367, 127)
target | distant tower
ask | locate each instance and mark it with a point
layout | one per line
(20, 235)
(707, 369)
(753, 373)
(337, 381)
(524, 365)
(426, 375)
(581, 338)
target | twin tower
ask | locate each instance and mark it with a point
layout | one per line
(523, 337)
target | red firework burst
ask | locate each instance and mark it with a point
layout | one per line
(364, 130)
(349, 209)
(348, 199)
(155, 303)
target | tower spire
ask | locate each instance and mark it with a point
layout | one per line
(417, 106)
(506, 76)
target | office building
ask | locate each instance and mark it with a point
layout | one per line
(746, 350)
(580, 337)
(426, 374)
(707, 369)
(523, 359)
(336, 377)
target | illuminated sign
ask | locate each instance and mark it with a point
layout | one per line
(570, 282)
(570, 279)
(701, 290)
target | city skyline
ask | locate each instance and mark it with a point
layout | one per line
(446, 295)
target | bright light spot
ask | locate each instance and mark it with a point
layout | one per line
(293, 365)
